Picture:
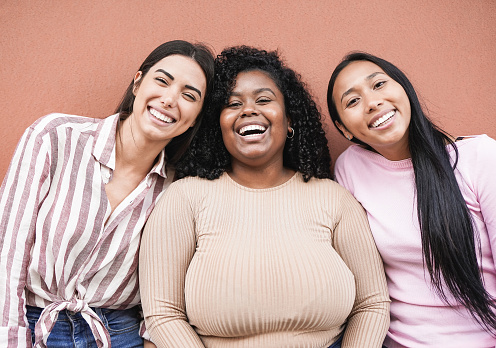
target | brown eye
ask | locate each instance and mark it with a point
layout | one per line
(379, 84)
(162, 80)
(234, 104)
(352, 102)
(189, 96)
(264, 100)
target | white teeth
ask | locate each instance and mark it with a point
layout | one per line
(161, 116)
(251, 127)
(382, 119)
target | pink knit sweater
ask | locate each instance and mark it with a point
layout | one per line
(386, 189)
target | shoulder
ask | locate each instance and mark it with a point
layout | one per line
(327, 190)
(189, 181)
(56, 121)
(475, 149)
(321, 184)
(351, 161)
(191, 186)
(189, 192)
(479, 142)
(333, 198)
(355, 155)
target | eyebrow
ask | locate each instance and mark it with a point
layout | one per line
(172, 78)
(165, 73)
(259, 90)
(370, 77)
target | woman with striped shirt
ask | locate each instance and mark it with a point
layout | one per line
(75, 198)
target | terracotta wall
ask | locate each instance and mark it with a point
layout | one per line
(77, 57)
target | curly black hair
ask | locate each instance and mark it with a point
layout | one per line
(307, 152)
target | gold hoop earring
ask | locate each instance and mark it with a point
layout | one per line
(291, 135)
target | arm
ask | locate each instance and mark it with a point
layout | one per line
(148, 344)
(484, 181)
(168, 245)
(369, 319)
(24, 186)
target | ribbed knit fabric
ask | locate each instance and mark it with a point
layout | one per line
(222, 265)
(386, 189)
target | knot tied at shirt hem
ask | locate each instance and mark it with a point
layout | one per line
(50, 313)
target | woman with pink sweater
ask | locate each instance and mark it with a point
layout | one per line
(431, 204)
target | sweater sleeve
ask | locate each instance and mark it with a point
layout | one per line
(24, 186)
(485, 186)
(369, 319)
(168, 245)
(340, 172)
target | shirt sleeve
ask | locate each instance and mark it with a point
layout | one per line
(369, 319)
(24, 186)
(168, 245)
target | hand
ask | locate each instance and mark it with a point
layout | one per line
(148, 344)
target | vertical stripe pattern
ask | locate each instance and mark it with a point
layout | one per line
(222, 265)
(60, 246)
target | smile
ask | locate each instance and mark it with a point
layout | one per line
(161, 116)
(383, 119)
(252, 129)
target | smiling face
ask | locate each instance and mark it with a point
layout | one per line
(254, 123)
(168, 99)
(374, 108)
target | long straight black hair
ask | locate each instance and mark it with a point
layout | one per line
(447, 232)
(199, 53)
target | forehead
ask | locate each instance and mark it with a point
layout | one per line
(247, 81)
(182, 68)
(355, 73)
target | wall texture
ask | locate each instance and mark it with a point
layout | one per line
(77, 57)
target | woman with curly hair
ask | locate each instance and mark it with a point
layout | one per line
(258, 247)
(431, 202)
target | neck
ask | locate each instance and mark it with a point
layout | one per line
(397, 153)
(260, 177)
(132, 152)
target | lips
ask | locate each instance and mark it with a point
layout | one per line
(161, 116)
(251, 129)
(382, 119)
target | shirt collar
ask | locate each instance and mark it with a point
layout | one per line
(104, 146)
(104, 141)
(159, 167)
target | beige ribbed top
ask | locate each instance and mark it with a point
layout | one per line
(222, 265)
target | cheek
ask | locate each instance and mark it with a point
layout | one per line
(190, 110)
(350, 120)
(225, 124)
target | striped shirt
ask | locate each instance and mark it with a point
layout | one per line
(61, 246)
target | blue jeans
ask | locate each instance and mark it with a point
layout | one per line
(337, 344)
(71, 330)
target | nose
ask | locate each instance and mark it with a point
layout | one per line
(169, 98)
(249, 110)
(373, 101)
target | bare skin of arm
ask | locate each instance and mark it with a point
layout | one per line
(148, 344)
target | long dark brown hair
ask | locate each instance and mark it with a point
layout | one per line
(203, 56)
(447, 232)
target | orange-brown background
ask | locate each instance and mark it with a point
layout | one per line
(77, 57)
